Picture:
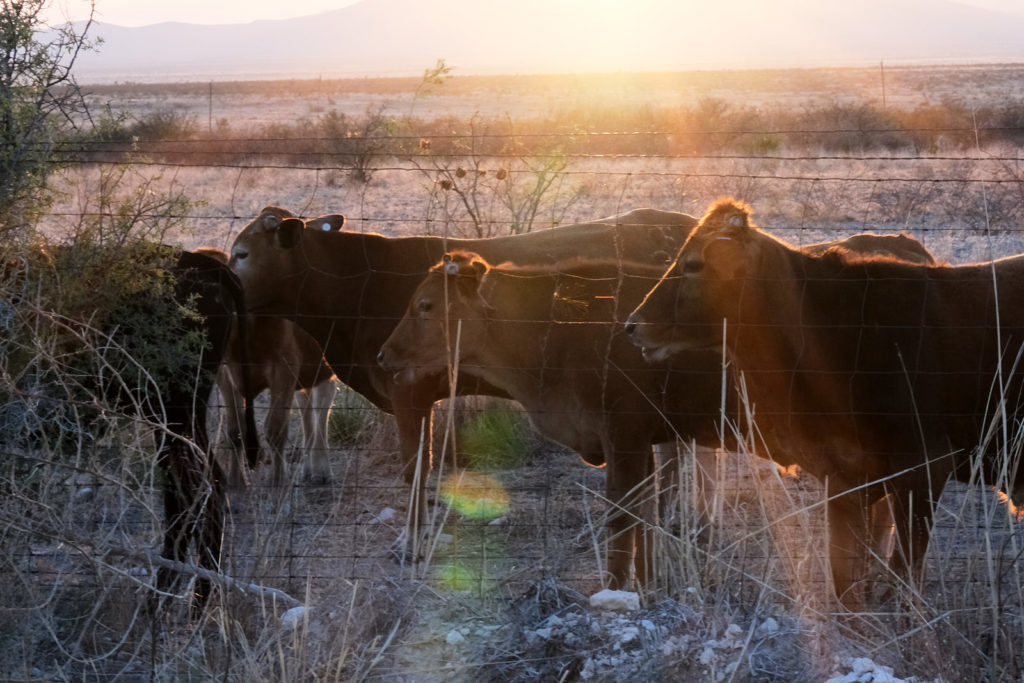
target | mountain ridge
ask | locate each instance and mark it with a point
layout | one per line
(402, 37)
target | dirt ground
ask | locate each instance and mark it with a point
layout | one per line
(503, 589)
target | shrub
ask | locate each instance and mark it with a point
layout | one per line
(496, 438)
(351, 419)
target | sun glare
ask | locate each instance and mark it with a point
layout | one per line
(608, 35)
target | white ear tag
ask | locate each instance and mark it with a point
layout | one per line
(736, 221)
(326, 227)
(723, 237)
(451, 268)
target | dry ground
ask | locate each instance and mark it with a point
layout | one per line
(505, 597)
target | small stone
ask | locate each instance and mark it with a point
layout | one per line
(768, 627)
(291, 617)
(615, 601)
(385, 515)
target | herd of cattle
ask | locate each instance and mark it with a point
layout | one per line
(865, 362)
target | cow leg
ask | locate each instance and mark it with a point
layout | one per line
(315, 421)
(305, 399)
(412, 409)
(666, 464)
(627, 488)
(912, 518)
(276, 428)
(211, 535)
(176, 514)
(233, 406)
(208, 500)
(849, 536)
(194, 508)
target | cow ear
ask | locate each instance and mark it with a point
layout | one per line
(289, 232)
(330, 223)
(272, 216)
(737, 221)
(468, 270)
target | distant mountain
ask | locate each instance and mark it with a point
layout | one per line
(383, 37)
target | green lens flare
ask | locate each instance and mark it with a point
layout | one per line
(475, 495)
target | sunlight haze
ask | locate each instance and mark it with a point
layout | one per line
(141, 13)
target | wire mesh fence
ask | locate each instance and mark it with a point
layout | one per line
(81, 529)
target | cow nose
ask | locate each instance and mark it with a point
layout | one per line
(630, 325)
(381, 358)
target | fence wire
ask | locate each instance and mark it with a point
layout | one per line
(302, 536)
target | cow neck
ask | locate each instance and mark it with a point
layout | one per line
(518, 311)
(772, 346)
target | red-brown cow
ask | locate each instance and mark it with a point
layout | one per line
(349, 290)
(874, 375)
(551, 338)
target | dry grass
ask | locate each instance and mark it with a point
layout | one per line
(739, 594)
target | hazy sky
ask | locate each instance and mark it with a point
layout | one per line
(141, 12)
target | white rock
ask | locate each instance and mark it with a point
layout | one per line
(768, 627)
(615, 601)
(291, 617)
(864, 670)
(629, 634)
(385, 515)
(455, 638)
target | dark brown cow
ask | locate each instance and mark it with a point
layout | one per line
(194, 491)
(876, 376)
(551, 338)
(349, 290)
(286, 361)
(133, 371)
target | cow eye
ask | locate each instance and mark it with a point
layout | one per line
(424, 306)
(241, 255)
(693, 266)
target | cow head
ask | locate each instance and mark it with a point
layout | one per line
(685, 309)
(267, 251)
(445, 316)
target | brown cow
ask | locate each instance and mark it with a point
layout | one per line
(874, 375)
(900, 246)
(287, 361)
(548, 337)
(349, 290)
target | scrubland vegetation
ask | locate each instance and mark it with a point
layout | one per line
(309, 590)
